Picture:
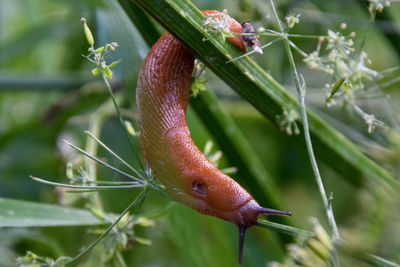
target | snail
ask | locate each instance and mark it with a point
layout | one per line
(186, 173)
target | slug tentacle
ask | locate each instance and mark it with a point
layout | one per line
(162, 96)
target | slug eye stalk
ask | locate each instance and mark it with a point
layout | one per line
(249, 214)
(251, 40)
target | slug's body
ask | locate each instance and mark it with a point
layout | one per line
(162, 97)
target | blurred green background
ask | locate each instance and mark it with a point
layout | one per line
(48, 94)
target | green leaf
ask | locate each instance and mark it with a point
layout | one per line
(115, 63)
(107, 72)
(335, 88)
(390, 79)
(143, 241)
(18, 213)
(100, 50)
(96, 71)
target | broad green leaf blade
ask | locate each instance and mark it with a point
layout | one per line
(184, 21)
(18, 213)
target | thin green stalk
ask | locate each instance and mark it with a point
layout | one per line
(91, 167)
(291, 35)
(371, 22)
(103, 163)
(93, 136)
(120, 259)
(295, 47)
(92, 245)
(277, 34)
(110, 182)
(103, 187)
(121, 119)
(301, 95)
(254, 51)
(378, 261)
(282, 228)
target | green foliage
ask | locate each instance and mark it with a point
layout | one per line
(349, 63)
(17, 213)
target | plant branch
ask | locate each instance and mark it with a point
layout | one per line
(87, 249)
(114, 154)
(301, 90)
(121, 119)
(282, 228)
(256, 86)
(102, 187)
(103, 163)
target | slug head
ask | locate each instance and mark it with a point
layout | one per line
(249, 214)
(241, 42)
(250, 40)
(216, 194)
(244, 215)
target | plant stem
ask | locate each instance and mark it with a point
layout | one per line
(91, 167)
(120, 259)
(93, 136)
(282, 228)
(277, 34)
(301, 95)
(121, 120)
(134, 202)
(103, 163)
(102, 187)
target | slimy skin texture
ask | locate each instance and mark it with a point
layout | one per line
(162, 97)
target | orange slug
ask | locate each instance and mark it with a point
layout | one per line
(162, 97)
